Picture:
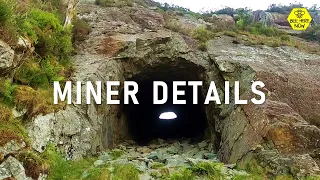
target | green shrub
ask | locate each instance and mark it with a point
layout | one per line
(8, 22)
(41, 74)
(243, 19)
(6, 11)
(203, 35)
(203, 46)
(47, 32)
(30, 74)
(7, 90)
(125, 172)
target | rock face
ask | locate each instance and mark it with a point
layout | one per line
(122, 47)
(148, 19)
(288, 121)
(6, 55)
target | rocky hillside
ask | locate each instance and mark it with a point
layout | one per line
(139, 40)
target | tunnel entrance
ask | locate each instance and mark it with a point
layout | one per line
(144, 122)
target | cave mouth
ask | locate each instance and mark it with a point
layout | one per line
(145, 123)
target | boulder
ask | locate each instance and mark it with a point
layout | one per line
(11, 167)
(270, 19)
(12, 147)
(40, 131)
(223, 21)
(6, 55)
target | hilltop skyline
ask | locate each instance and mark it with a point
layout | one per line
(204, 5)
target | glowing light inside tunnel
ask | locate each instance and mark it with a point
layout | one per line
(168, 116)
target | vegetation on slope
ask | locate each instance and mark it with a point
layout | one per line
(245, 30)
(28, 87)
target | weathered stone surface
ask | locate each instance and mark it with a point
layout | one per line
(40, 131)
(306, 165)
(289, 126)
(11, 147)
(11, 167)
(6, 55)
(148, 19)
(223, 21)
(286, 72)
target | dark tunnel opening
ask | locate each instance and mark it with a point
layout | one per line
(145, 125)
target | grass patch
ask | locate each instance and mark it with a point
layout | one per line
(61, 169)
(5, 113)
(10, 129)
(185, 174)
(210, 170)
(35, 101)
(98, 173)
(41, 73)
(260, 29)
(116, 153)
(157, 165)
(125, 172)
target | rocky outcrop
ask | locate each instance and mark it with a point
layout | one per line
(270, 19)
(288, 121)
